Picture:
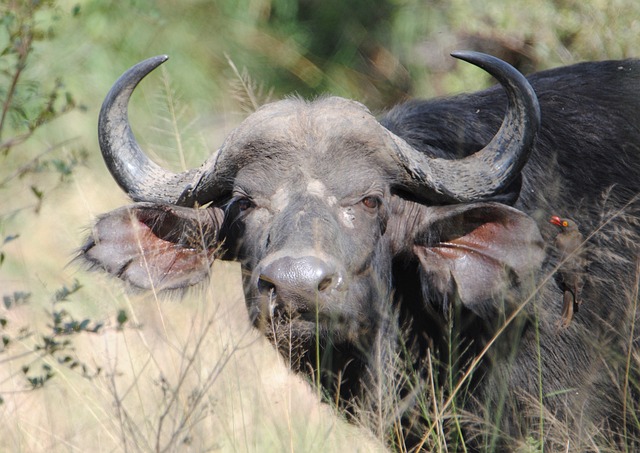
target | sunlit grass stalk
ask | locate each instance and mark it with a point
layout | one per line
(540, 390)
(173, 116)
(437, 421)
(625, 393)
(317, 351)
(450, 375)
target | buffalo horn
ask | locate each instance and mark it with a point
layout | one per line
(140, 177)
(490, 170)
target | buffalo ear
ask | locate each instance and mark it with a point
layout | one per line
(156, 246)
(476, 253)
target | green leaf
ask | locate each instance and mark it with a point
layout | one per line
(122, 318)
(63, 293)
(37, 192)
(17, 298)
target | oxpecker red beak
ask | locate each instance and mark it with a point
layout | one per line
(556, 220)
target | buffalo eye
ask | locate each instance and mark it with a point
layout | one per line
(244, 204)
(371, 202)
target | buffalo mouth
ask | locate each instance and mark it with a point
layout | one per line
(304, 337)
(298, 321)
(300, 316)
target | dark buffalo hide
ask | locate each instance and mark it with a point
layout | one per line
(414, 261)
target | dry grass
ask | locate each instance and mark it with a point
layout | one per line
(184, 375)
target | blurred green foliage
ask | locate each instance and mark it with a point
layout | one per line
(375, 50)
(26, 103)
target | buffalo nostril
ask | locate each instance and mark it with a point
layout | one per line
(266, 286)
(304, 276)
(325, 283)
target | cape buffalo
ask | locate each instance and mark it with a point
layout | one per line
(407, 262)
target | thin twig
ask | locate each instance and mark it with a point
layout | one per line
(25, 167)
(23, 53)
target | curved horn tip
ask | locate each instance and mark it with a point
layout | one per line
(497, 165)
(493, 65)
(130, 79)
(505, 73)
(479, 59)
(158, 59)
(140, 177)
(150, 64)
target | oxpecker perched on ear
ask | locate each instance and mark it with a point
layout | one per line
(572, 268)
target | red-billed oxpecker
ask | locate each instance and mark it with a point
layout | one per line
(573, 263)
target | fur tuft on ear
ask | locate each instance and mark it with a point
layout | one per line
(476, 253)
(156, 246)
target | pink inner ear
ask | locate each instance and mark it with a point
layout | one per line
(488, 240)
(495, 248)
(163, 262)
(145, 245)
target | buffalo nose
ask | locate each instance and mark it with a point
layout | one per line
(305, 276)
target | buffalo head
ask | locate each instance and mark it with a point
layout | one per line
(317, 200)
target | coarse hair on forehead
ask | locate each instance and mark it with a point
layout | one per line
(329, 125)
(332, 109)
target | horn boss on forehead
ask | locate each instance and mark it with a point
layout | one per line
(478, 176)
